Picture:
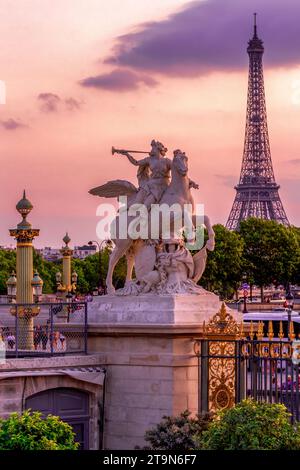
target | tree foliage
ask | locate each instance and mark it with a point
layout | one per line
(224, 265)
(177, 432)
(29, 431)
(252, 426)
(266, 251)
(271, 251)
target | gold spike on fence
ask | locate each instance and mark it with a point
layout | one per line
(280, 334)
(251, 332)
(291, 332)
(270, 330)
(260, 331)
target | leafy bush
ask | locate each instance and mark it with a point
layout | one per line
(29, 431)
(177, 432)
(254, 426)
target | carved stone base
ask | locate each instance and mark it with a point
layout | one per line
(164, 309)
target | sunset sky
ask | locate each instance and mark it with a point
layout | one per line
(83, 75)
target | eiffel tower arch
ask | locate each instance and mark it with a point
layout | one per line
(257, 191)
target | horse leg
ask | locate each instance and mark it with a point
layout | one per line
(130, 264)
(120, 249)
(210, 244)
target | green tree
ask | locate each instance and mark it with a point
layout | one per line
(7, 265)
(29, 431)
(224, 265)
(271, 252)
(252, 426)
(47, 271)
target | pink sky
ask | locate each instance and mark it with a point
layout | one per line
(49, 46)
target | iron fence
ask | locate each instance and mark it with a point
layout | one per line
(43, 329)
(234, 369)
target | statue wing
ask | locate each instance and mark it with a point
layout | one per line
(114, 188)
(199, 264)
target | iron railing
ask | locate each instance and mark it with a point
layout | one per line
(231, 370)
(43, 329)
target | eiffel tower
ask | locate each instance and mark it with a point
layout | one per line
(257, 192)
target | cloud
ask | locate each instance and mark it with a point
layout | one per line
(294, 161)
(118, 80)
(211, 35)
(72, 104)
(12, 124)
(52, 103)
(227, 180)
(49, 102)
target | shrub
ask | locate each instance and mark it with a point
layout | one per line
(177, 432)
(254, 426)
(29, 431)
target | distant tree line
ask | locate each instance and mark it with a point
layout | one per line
(265, 251)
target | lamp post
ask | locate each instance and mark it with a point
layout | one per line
(290, 304)
(37, 287)
(26, 285)
(102, 286)
(12, 288)
(245, 287)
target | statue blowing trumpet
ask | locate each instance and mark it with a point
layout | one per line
(122, 151)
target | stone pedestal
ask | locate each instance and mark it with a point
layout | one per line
(147, 343)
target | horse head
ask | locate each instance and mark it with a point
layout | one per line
(180, 162)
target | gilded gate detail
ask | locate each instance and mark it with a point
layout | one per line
(221, 376)
(262, 362)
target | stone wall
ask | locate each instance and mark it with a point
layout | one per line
(151, 372)
(15, 390)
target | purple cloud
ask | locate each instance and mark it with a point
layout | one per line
(211, 35)
(227, 180)
(72, 104)
(118, 80)
(294, 161)
(12, 124)
(49, 102)
(52, 103)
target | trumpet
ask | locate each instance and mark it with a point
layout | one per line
(114, 150)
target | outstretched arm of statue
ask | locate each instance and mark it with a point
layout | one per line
(131, 158)
(143, 162)
(135, 162)
(193, 184)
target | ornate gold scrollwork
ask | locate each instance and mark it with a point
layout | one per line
(221, 375)
(222, 323)
(222, 331)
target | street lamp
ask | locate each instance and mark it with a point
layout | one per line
(12, 287)
(37, 287)
(290, 304)
(245, 287)
(102, 287)
(69, 299)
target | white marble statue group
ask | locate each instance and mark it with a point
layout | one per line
(163, 263)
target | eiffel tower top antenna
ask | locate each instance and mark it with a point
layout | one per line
(255, 24)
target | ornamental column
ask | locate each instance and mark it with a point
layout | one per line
(67, 254)
(24, 235)
(66, 283)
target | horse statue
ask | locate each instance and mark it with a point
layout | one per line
(147, 254)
